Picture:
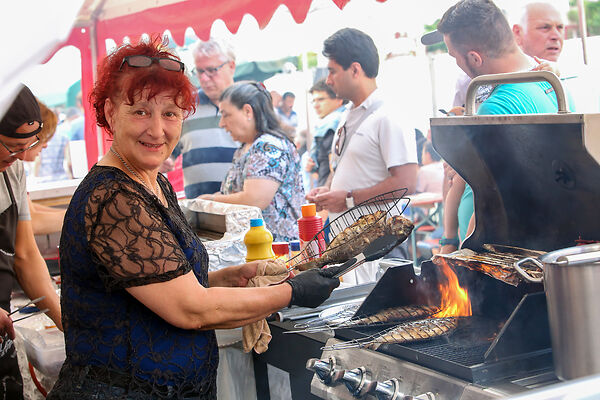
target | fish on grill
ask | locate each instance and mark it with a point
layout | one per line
(356, 237)
(385, 316)
(414, 331)
(395, 314)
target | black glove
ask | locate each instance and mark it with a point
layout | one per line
(311, 288)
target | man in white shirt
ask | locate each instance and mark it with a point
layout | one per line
(371, 153)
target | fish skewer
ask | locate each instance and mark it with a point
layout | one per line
(386, 316)
(394, 314)
(413, 331)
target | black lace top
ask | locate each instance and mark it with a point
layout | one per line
(117, 235)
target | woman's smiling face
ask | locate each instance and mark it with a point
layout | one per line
(146, 132)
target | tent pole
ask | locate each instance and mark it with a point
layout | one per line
(308, 78)
(94, 51)
(434, 107)
(582, 29)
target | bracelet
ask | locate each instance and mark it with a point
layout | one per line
(449, 241)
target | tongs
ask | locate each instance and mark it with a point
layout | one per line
(376, 249)
(31, 314)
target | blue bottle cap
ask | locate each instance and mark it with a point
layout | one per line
(256, 222)
(295, 245)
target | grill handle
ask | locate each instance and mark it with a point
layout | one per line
(516, 77)
(524, 274)
(582, 258)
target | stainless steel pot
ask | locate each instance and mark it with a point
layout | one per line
(572, 284)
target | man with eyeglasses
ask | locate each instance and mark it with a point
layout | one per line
(206, 149)
(19, 255)
(372, 154)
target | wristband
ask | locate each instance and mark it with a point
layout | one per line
(449, 241)
(349, 200)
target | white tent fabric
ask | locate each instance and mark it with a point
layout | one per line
(30, 29)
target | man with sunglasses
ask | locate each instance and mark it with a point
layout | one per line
(206, 149)
(19, 255)
(372, 154)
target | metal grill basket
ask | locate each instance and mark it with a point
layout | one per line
(391, 203)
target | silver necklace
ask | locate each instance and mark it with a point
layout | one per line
(135, 173)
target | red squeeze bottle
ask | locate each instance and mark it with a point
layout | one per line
(308, 226)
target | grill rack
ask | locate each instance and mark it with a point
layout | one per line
(392, 203)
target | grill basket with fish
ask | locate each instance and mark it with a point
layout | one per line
(358, 227)
(412, 331)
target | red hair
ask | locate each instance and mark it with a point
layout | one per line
(127, 83)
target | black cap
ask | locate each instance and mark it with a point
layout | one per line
(24, 109)
(433, 37)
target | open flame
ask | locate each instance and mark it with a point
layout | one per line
(455, 299)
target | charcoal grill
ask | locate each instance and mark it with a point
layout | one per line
(535, 180)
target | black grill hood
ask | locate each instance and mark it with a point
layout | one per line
(535, 178)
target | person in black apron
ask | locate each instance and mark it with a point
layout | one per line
(19, 127)
(11, 384)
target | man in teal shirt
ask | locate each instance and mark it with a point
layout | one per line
(479, 37)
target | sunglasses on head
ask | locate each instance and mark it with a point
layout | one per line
(145, 61)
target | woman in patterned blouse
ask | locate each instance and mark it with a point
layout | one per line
(139, 306)
(266, 168)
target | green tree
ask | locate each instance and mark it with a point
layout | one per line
(592, 15)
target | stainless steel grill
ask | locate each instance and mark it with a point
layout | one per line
(535, 183)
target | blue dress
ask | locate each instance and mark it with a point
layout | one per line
(275, 158)
(116, 235)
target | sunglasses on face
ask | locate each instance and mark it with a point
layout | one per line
(145, 61)
(210, 71)
(15, 152)
(341, 140)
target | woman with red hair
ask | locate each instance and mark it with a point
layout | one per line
(139, 306)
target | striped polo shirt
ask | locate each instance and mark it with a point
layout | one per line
(206, 150)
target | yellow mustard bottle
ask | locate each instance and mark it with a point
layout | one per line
(258, 241)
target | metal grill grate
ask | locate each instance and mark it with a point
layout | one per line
(467, 356)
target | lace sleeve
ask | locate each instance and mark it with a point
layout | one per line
(129, 238)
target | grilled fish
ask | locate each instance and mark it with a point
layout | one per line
(414, 331)
(355, 238)
(395, 314)
(364, 223)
